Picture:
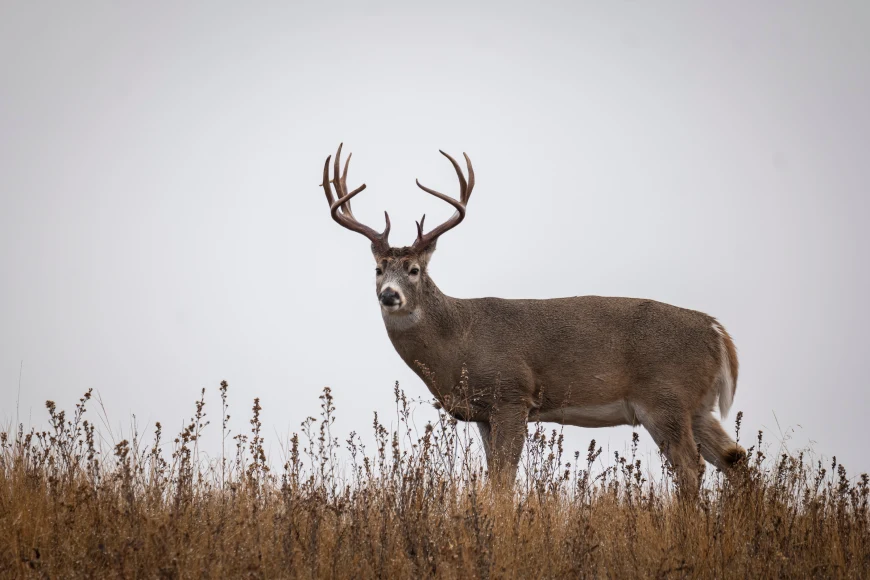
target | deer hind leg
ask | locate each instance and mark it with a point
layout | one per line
(672, 432)
(507, 436)
(716, 446)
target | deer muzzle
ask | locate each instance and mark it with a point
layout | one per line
(390, 298)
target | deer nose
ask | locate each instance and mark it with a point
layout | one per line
(390, 297)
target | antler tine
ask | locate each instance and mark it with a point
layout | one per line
(465, 188)
(456, 203)
(463, 185)
(339, 206)
(420, 226)
(346, 208)
(339, 182)
(470, 177)
(325, 183)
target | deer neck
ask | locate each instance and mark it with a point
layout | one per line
(435, 318)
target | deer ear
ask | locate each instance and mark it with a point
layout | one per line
(426, 254)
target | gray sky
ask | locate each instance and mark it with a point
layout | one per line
(161, 227)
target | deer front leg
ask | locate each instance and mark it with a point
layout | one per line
(507, 435)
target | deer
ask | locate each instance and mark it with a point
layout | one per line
(587, 361)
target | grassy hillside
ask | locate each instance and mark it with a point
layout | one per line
(412, 506)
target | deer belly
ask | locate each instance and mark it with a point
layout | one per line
(603, 415)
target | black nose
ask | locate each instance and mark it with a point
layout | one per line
(390, 297)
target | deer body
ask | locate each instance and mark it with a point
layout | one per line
(589, 361)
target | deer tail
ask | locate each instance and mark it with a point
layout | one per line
(726, 378)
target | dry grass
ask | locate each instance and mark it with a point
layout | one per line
(413, 506)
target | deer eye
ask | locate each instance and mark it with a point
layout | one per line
(414, 271)
(379, 272)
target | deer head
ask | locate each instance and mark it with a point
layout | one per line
(401, 273)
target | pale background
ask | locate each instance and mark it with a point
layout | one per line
(161, 227)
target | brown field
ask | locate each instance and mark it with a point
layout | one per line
(411, 507)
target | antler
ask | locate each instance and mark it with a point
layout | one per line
(424, 240)
(340, 208)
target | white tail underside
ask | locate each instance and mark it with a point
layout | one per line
(724, 380)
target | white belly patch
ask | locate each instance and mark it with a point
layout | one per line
(606, 415)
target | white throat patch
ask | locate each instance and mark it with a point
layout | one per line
(400, 320)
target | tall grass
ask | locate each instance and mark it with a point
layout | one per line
(413, 505)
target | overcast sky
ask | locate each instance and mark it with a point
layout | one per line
(162, 228)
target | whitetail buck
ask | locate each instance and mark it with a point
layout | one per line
(590, 361)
